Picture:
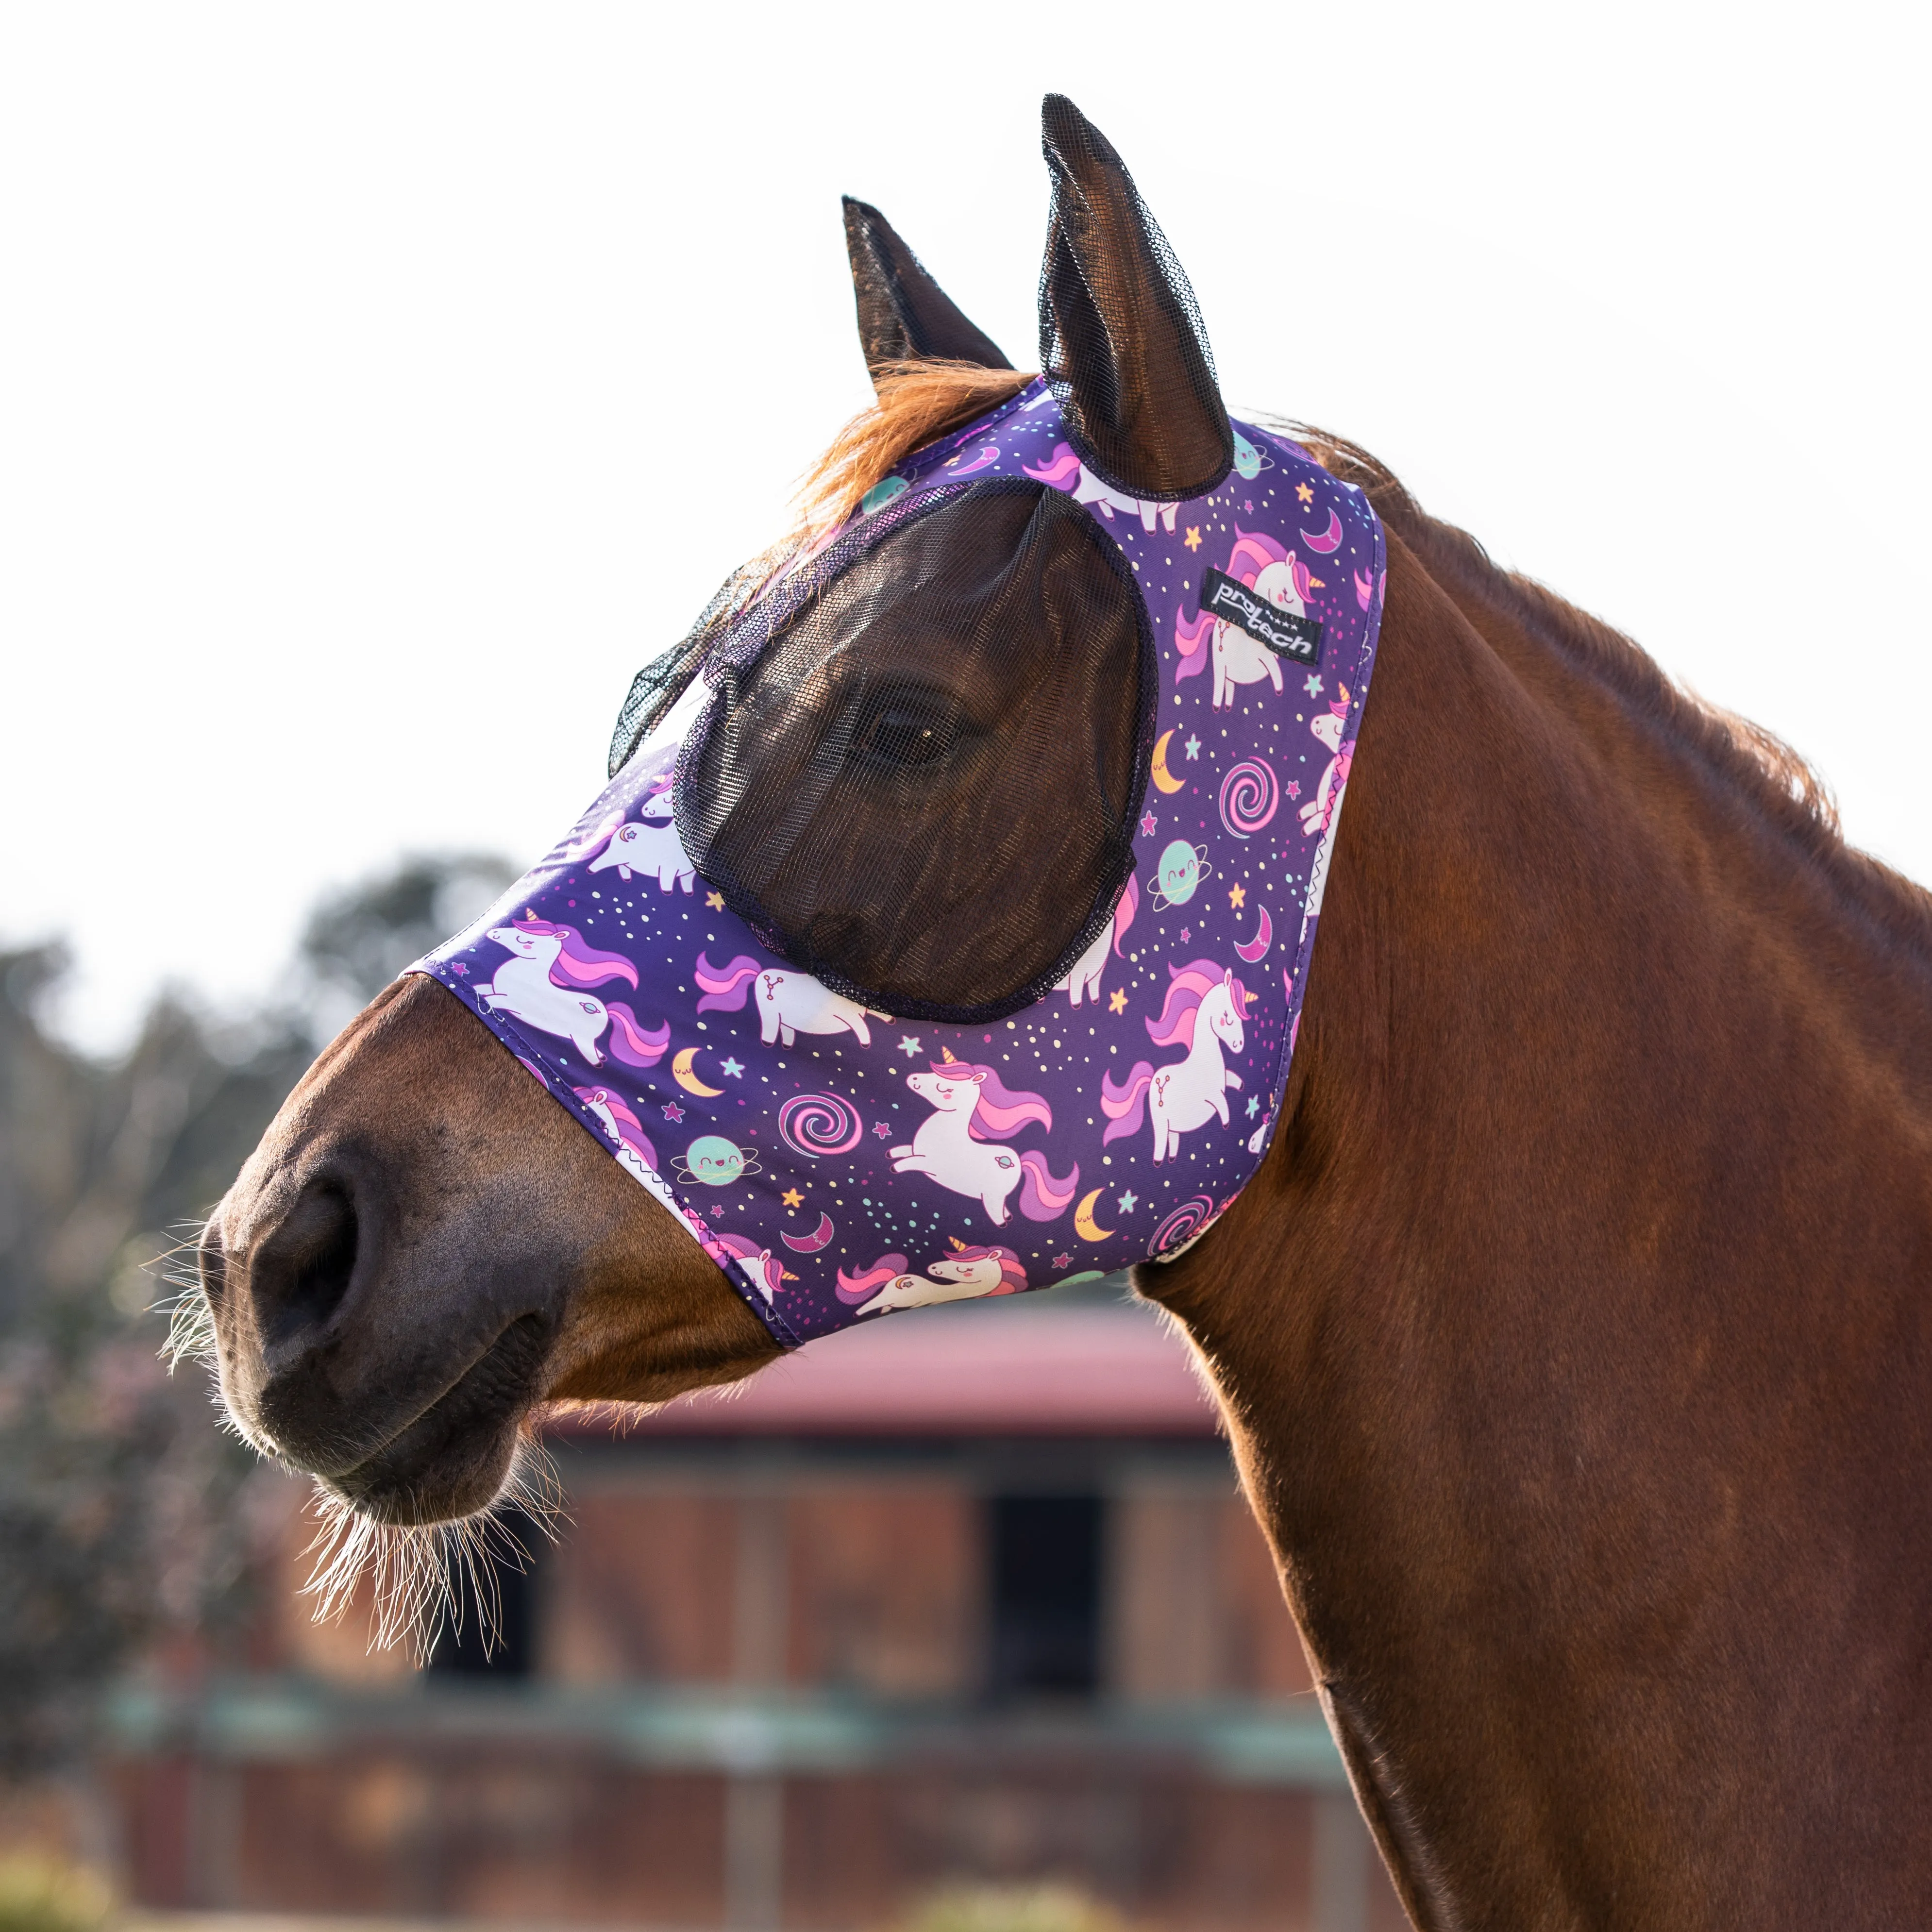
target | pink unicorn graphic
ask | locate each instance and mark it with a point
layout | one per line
(651, 847)
(1320, 813)
(964, 1275)
(541, 987)
(1269, 571)
(1086, 974)
(789, 1003)
(951, 1145)
(634, 1154)
(1204, 1010)
(1067, 472)
(759, 1263)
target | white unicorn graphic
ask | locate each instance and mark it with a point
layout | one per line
(1205, 1008)
(1269, 571)
(953, 1146)
(1067, 472)
(964, 1275)
(789, 1003)
(542, 985)
(1085, 977)
(651, 846)
(1323, 811)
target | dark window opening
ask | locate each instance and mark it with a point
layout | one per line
(1046, 1561)
(464, 1646)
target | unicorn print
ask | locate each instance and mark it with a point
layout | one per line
(951, 1146)
(1321, 813)
(630, 1143)
(542, 984)
(1067, 472)
(1204, 1010)
(761, 1263)
(1085, 977)
(1269, 571)
(964, 1275)
(651, 847)
(789, 1003)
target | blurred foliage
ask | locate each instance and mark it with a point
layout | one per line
(1014, 1908)
(122, 1522)
(40, 1895)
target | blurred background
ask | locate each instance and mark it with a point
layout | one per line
(380, 387)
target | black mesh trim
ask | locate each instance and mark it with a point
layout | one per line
(746, 641)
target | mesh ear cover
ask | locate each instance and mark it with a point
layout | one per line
(923, 789)
(1120, 336)
(904, 314)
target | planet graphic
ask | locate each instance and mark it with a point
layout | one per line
(1179, 872)
(1164, 779)
(714, 1161)
(880, 494)
(1249, 461)
(680, 1072)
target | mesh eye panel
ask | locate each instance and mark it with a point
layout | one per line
(1120, 336)
(864, 790)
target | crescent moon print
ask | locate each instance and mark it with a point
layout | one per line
(680, 1070)
(1084, 1223)
(810, 1244)
(1330, 539)
(956, 468)
(1161, 776)
(1252, 950)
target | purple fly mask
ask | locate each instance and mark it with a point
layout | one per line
(943, 930)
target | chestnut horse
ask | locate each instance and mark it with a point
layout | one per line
(1574, 1340)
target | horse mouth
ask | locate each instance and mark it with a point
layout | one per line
(453, 1458)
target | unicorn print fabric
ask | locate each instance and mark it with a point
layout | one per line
(840, 1158)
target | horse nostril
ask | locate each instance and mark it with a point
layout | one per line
(300, 1273)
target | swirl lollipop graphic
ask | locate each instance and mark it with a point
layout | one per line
(1249, 797)
(820, 1124)
(1190, 1218)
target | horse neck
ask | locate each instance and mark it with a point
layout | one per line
(1605, 1149)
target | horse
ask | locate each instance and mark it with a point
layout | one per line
(954, 1145)
(1574, 1340)
(1204, 1012)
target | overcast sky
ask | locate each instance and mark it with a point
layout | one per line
(380, 385)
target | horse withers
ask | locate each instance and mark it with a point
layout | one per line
(1573, 1336)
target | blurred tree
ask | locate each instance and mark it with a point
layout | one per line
(119, 1521)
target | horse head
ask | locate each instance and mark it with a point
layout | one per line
(425, 1246)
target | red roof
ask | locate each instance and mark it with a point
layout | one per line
(974, 1371)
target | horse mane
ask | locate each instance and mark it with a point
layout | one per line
(1754, 764)
(916, 403)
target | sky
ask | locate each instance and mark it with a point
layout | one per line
(381, 386)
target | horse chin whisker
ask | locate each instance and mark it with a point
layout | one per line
(422, 1575)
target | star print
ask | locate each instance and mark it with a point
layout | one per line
(1183, 935)
(908, 1042)
(459, 967)
(1293, 788)
(1254, 1105)
(884, 1131)
(715, 900)
(1063, 1261)
(1237, 896)
(1193, 539)
(1306, 495)
(1127, 1200)
(1118, 1001)
(1312, 684)
(1192, 746)
(733, 1069)
(1148, 825)
(673, 1111)
(792, 1198)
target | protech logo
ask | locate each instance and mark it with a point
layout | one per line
(1283, 631)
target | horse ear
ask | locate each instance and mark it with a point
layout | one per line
(1120, 338)
(905, 316)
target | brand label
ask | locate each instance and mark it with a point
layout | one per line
(1283, 631)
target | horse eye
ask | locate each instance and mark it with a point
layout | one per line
(903, 728)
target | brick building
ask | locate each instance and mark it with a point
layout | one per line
(968, 1597)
